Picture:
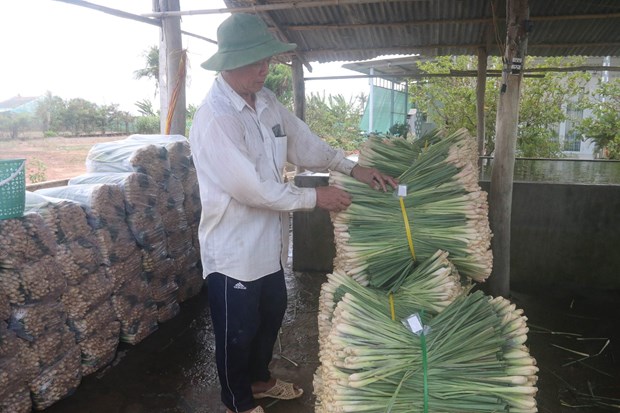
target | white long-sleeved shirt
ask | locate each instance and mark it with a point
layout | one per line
(240, 161)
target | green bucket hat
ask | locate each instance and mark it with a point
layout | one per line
(243, 39)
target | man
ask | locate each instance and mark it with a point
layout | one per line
(241, 138)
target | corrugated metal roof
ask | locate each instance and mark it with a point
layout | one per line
(365, 30)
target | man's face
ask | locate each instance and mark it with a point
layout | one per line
(251, 78)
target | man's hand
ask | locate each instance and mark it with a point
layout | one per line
(373, 178)
(332, 199)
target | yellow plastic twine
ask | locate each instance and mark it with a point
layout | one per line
(407, 227)
(392, 310)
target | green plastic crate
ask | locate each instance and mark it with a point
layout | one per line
(12, 188)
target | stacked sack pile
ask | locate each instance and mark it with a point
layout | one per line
(39, 356)
(101, 260)
(104, 206)
(166, 159)
(399, 330)
(87, 299)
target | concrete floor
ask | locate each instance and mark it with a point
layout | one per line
(173, 371)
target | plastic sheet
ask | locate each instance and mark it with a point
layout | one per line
(66, 218)
(104, 203)
(130, 156)
(177, 146)
(140, 193)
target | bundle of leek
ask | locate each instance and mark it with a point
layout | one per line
(431, 287)
(470, 357)
(380, 237)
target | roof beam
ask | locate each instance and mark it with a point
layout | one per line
(413, 49)
(410, 75)
(126, 15)
(271, 7)
(278, 29)
(479, 20)
(113, 12)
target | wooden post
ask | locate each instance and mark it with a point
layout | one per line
(500, 196)
(162, 80)
(299, 94)
(174, 57)
(299, 88)
(481, 86)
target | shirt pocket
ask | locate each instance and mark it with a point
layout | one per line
(279, 153)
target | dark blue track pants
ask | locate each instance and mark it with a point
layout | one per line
(246, 316)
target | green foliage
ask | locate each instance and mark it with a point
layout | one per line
(147, 125)
(604, 125)
(50, 112)
(151, 68)
(81, 116)
(399, 129)
(332, 117)
(189, 117)
(450, 102)
(55, 116)
(543, 104)
(36, 170)
(280, 81)
(12, 124)
(335, 120)
(145, 107)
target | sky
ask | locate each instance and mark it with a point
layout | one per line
(76, 52)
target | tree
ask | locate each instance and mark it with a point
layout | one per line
(14, 123)
(450, 102)
(543, 107)
(106, 116)
(332, 117)
(81, 116)
(145, 107)
(604, 125)
(151, 68)
(280, 81)
(335, 120)
(49, 112)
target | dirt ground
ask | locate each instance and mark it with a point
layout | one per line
(50, 159)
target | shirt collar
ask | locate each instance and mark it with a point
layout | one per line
(238, 102)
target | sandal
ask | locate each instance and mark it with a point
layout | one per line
(281, 390)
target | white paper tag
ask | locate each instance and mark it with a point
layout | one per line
(402, 190)
(414, 323)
